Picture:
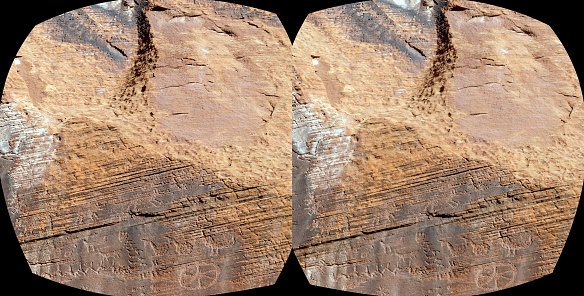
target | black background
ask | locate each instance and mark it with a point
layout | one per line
(17, 18)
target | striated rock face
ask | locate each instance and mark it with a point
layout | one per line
(437, 148)
(129, 149)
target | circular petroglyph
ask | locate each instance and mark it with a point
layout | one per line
(496, 276)
(198, 276)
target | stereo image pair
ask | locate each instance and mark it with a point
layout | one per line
(398, 147)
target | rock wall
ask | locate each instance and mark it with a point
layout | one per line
(437, 148)
(130, 135)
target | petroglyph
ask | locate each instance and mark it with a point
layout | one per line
(406, 258)
(197, 276)
(495, 276)
(218, 238)
(515, 240)
(183, 247)
(162, 246)
(457, 250)
(122, 236)
(466, 246)
(352, 284)
(112, 133)
(480, 248)
(424, 147)
(420, 237)
(381, 291)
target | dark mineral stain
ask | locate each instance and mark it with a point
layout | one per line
(78, 27)
(247, 13)
(301, 216)
(413, 13)
(120, 16)
(443, 64)
(367, 22)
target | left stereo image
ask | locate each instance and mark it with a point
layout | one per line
(145, 148)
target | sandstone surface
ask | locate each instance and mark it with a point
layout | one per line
(437, 148)
(129, 151)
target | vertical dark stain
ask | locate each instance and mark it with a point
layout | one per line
(301, 216)
(144, 63)
(443, 63)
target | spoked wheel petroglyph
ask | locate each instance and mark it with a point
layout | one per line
(496, 276)
(199, 276)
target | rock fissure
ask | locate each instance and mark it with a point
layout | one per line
(117, 48)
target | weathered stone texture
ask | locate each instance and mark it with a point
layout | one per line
(146, 148)
(437, 148)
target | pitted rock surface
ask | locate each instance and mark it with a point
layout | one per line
(129, 139)
(437, 148)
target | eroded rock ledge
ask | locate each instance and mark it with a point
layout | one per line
(436, 148)
(130, 162)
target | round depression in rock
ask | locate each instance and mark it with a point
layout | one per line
(437, 148)
(145, 148)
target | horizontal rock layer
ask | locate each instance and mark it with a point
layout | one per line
(145, 147)
(437, 148)
(129, 148)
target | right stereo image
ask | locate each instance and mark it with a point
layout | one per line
(437, 148)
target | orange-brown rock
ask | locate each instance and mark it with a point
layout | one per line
(145, 147)
(129, 151)
(437, 147)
